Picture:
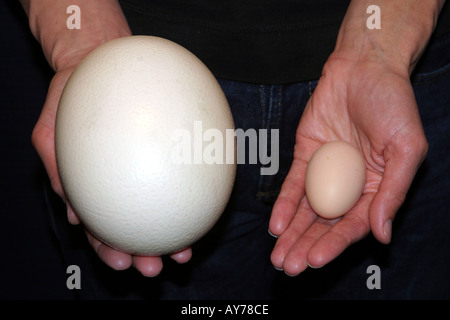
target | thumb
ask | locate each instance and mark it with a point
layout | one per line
(402, 163)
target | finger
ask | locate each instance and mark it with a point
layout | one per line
(43, 142)
(292, 191)
(401, 166)
(71, 216)
(43, 133)
(115, 259)
(352, 227)
(296, 260)
(148, 266)
(302, 220)
(182, 256)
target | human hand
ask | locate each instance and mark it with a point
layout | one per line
(363, 97)
(370, 104)
(43, 141)
(103, 20)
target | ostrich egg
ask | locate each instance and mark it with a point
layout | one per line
(133, 155)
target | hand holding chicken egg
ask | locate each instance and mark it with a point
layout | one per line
(392, 151)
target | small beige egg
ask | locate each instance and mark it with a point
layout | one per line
(335, 179)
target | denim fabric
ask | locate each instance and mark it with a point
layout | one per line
(233, 260)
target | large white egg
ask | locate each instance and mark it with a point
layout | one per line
(114, 142)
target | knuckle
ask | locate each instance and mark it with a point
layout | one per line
(35, 135)
(416, 147)
(424, 147)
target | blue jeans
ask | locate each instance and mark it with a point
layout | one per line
(233, 260)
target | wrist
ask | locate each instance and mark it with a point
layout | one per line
(406, 27)
(101, 21)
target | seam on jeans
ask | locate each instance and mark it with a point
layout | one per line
(431, 76)
(266, 194)
(261, 105)
(279, 107)
(270, 115)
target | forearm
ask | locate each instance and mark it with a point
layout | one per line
(406, 26)
(101, 20)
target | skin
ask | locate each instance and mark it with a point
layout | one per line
(103, 20)
(364, 97)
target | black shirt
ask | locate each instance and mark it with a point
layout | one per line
(261, 41)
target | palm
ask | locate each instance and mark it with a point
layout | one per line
(374, 109)
(43, 140)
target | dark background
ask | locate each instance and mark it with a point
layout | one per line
(30, 266)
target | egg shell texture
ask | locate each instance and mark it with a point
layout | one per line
(113, 145)
(335, 179)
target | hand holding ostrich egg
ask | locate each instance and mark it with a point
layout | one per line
(113, 142)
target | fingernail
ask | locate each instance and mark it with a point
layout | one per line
(272, 234)
(70, 215)
(290, 275)
(387, 229)
(279, 269)
(314, 267)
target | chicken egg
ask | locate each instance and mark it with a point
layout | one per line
(335, 179)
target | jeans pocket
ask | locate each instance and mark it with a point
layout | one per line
(281, 108)
(435, 62)
(431, 76)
